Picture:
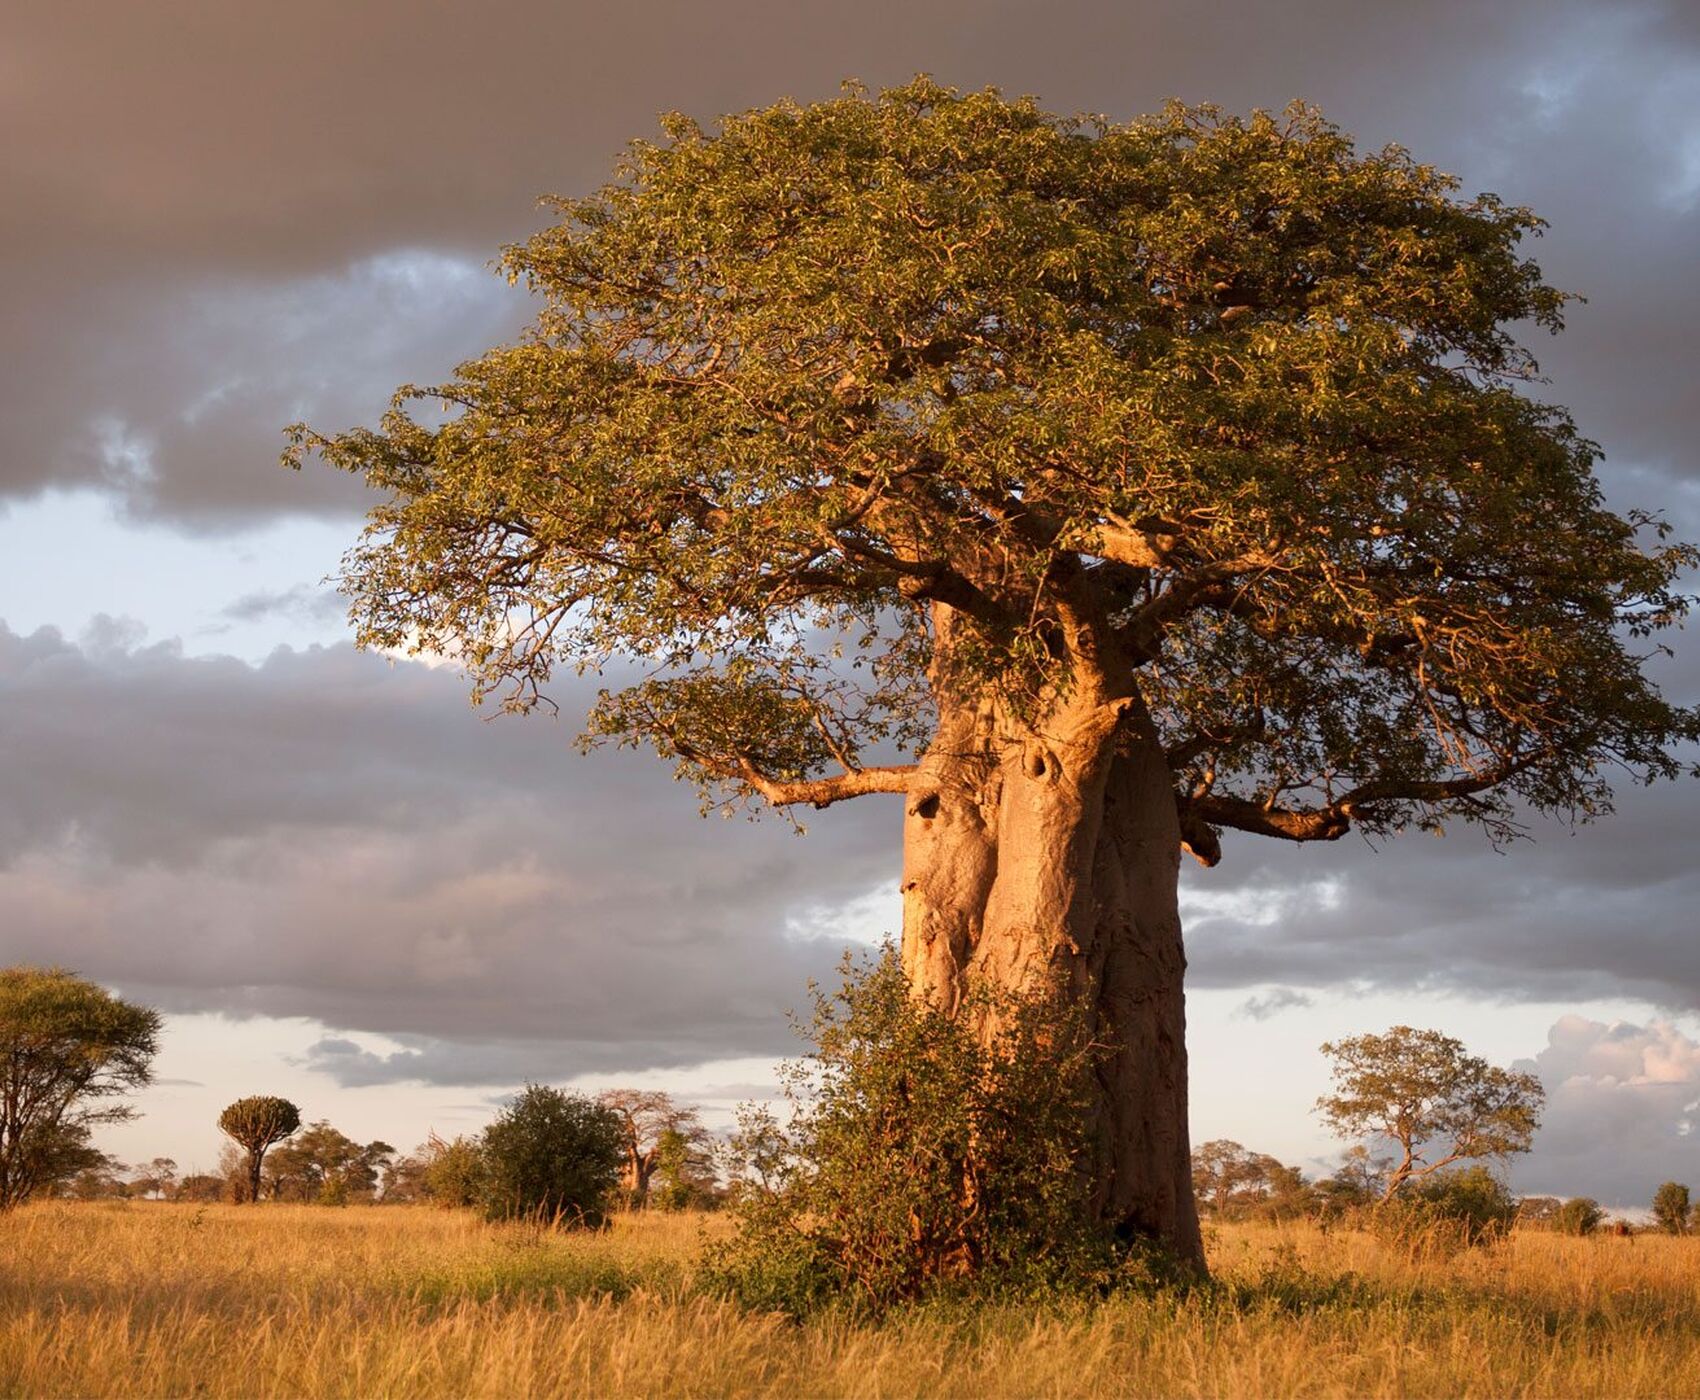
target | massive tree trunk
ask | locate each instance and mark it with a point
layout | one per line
(1047, 854)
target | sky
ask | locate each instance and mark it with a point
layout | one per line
(344, 885)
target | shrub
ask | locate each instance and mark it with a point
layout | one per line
(453, 1172)
(1670, 1208)
(1446, 1212)
(553, 1157)
(919, 1157)
(1475, 1199)
(1580, 1215)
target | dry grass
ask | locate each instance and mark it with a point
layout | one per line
(143, 1299)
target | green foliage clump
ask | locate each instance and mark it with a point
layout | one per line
(1670, 1208)
(65, 1045)
(453, 1173)
(1581, 1215)
(926, 1156)
(551, 1156)
(1475, 1201)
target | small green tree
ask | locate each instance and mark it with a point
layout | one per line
(66, 1048)
(648, 1118)
(1580, 1215)
(1670, 1208)
(1435, 1103)
(918, 1156)
(255, 1124)
(454, 1172)
(684, 1170)
(552, 1156)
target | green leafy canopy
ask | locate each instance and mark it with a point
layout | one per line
(837, 414)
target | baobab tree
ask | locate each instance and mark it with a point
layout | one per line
(647, 1117)
(1095, 489)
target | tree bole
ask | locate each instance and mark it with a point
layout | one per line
(1050, 855)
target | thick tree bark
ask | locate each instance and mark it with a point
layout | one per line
(1049, 855)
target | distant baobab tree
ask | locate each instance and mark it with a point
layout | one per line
(1093, 488)
(647, 1117)
(255, 1124)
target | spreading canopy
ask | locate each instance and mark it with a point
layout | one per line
(838, 414)
(1438, 1104)
(67, 1049)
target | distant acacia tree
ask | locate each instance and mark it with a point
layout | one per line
(202, 1188)
(1229, 1179)
(1670, 1208)
(1435, 1103)
(157, 1178)
(650, 1122)
(67, 1047)
(255, 1124)
(1094, 488)
(325, 1165)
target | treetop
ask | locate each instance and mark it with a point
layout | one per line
(834, 416)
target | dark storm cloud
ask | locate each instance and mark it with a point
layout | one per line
(1606, 910)
(329, 836)
(183, 178)
(333, 836)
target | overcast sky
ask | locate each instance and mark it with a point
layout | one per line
(346, 886)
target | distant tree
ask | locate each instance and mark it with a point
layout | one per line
(1581, 1215)
(1670, 1208)
(325, 1165)
(255, 1124)
(403, 1181)
(552, 1156)
(455, 1171)
(156, 1178)
(684, 1170)
(67, 1047)
(201, 1188)
(1420, 1090)
(1229, 1180)
(101, 1180)
(1538, 1212)
(646, 1118)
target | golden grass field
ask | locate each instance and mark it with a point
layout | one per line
(150, 1299)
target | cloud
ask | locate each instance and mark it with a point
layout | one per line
(328, 835)
(1623, 1102)
(220, 218)
(303, 602)
(331, 835)
(1272, 1003)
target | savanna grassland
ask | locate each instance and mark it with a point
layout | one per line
(152, 1299)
